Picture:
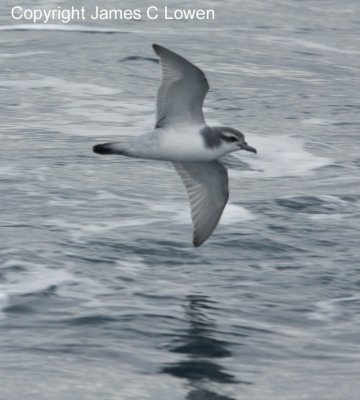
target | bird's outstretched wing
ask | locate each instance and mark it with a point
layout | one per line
(207, 186)
(182, 91)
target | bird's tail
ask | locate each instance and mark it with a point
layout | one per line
(110, 148)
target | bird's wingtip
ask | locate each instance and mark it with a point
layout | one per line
(156, 47)
(196, 242)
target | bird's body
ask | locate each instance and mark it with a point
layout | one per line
(178, 144)
(182, 137)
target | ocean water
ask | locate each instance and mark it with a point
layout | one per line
(101, 294)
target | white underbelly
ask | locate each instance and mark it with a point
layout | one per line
(187, 146)
(172, 145)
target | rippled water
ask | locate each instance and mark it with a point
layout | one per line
(101, 294)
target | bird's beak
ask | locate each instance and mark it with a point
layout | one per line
(245, 146)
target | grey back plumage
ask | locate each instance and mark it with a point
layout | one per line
(182, 91)
(211, 137)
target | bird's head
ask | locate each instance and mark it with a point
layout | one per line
(233, 140)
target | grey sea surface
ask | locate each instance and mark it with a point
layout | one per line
(101, 294)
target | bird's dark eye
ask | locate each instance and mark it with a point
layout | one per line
(229, 138)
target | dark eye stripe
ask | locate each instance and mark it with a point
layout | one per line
(229, 138)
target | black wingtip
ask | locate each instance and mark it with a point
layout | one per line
(156, 47)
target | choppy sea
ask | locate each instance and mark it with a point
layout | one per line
(101, 294)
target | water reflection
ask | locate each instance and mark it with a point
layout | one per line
(201, 348)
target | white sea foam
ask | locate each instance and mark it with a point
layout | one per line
(59, 27)
(261, 70)
(76, 89)
(4, 301)
(334, 204)
(331, 208)
(180, 213)
(66, 202)
(128, 198)
(9, 171)
(81, 230)
(332, 199)
(234, 213)
(327, 217)
(23, 277)
(116, 112)
(317, 121)
(119, 117)
(328, 310)
(308, 44)
(106, 195)
(31, 278)
(328, 200)
(278, 156)
(320, 46)
(23, 54)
